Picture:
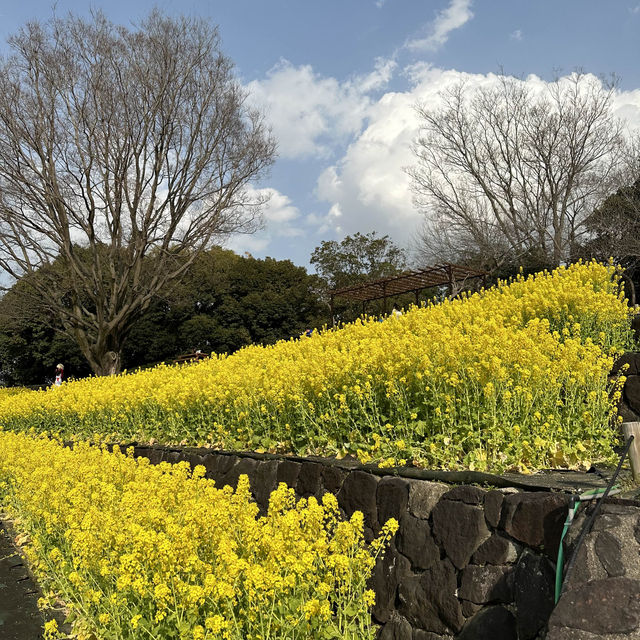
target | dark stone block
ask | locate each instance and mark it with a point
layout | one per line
(332, 478)
(460, 528)
(172, 457)
(154, 455)
(358, 493)
(162, 451)
(15, 572)
(392, 498)
(225, 471)
(600, 607)
(218, 466)
(620, 507)
(605, 521)
(226, 463)
(309, 480)
(535, 519)
(419, 634)
(265, 479)
(423, 497)
(193, 459)
(631, 359)
(396, 629)
(608, 550)
(495, 550)
(369, 535)
(465, 493)
(534, 589)
(428, 601)
(484, 585)
(492, 623)
(469, 609)
(210, 463)
(625, 412)
(492, 507)
(244, 466)
(388, 572)
(631, 393)
(558, 633)
(288, 472)
(414, 540)
(582, 571)
(138, 451)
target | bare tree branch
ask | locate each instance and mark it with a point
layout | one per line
(508, 171)
(120, 148)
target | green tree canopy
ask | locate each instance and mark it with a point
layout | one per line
(225, 302)
(615, 232)
(355, 259)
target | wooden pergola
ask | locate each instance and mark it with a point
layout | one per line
(408, 282)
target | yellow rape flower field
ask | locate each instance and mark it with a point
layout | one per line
(142, 551)
(515, 377)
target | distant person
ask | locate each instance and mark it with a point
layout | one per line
(395, 311)
(308, 333)
(59, 373)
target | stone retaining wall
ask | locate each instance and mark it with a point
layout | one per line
(629, 407)
(602, 597)
(467, 562)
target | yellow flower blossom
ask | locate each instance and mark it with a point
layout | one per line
(467, 369)
(134, 547)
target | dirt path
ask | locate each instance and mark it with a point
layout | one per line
(20, 618)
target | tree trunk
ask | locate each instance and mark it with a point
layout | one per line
(111, 362)
(103, 354)
(107, 354)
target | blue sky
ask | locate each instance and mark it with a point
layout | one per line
(337, 80)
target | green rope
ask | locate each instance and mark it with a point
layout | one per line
(574, 505)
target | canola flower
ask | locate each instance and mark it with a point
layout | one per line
(140, 551)
(6, 392)
(512, 377)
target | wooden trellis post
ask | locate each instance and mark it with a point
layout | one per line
(633, 429)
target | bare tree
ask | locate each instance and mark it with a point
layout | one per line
(509, 171)
(123, 154)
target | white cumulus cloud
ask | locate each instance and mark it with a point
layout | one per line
(311, 114)
(281, 220)
(359, 140)
(278, 208)
(457, 13)
(368, 184)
